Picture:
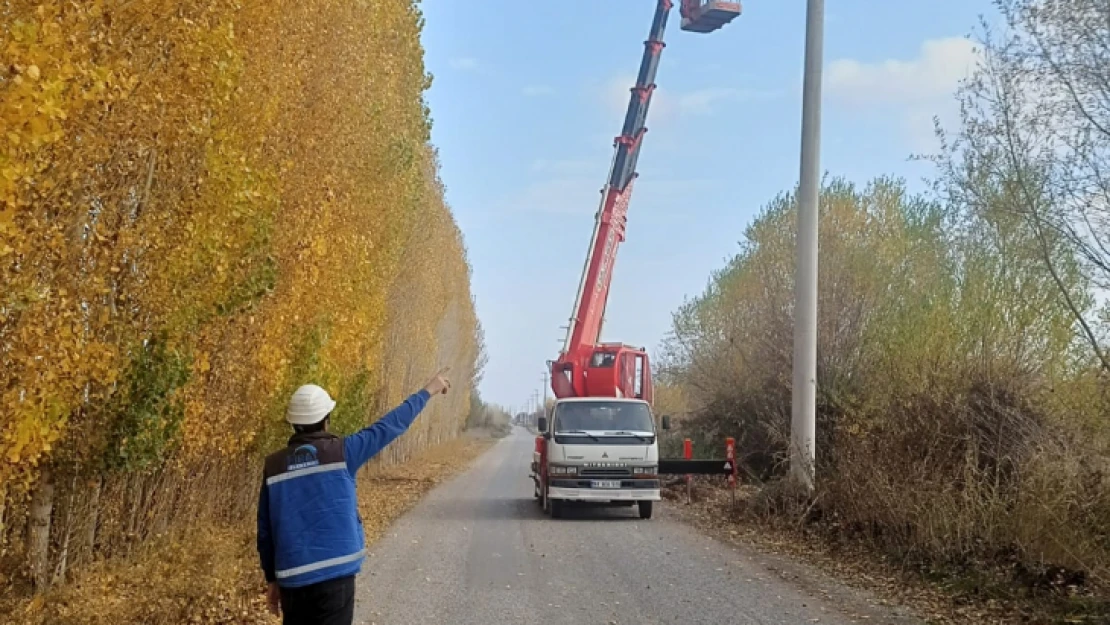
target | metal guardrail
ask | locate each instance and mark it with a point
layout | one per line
(690, 467)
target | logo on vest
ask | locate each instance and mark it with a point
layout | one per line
(303, 457)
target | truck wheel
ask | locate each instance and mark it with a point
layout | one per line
(556, 508)
(645, 509)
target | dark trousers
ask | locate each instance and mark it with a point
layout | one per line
(331, 602)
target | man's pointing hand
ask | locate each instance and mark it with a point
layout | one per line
(439, 382)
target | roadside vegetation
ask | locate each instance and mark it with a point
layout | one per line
(963, 407)
(203, 206)
(488, 417)
(210, 574)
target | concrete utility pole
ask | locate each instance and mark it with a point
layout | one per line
(803, 426)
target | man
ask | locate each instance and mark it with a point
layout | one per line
(310, 537)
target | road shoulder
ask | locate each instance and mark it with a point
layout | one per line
(387, 493)
(857, 603)
(845, 572)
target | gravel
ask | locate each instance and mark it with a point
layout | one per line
(479, 551)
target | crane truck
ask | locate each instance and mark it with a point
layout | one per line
(601, 445)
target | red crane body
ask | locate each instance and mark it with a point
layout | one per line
(586, 367)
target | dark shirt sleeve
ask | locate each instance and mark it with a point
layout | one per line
(265, 537)
(367, 442)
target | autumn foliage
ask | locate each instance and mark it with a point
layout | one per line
(960, 416)
(962, 409)
(202, 206)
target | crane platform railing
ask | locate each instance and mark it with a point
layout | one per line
(704, 16)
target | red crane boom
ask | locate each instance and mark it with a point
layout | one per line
(586, 367)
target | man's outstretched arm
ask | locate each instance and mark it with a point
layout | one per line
(367, 442)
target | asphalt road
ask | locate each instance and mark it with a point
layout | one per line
(479, 551)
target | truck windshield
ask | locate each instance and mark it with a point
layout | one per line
(603, 416)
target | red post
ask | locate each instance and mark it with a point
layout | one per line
(688, 453)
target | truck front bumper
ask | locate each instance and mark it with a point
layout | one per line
(631, 490)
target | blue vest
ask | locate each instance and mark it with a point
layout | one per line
(309, 529)
(313, 511)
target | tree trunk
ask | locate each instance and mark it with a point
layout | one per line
(67, 533)
(134, 498)
(38, 531)
(3, 523)
(160, 500)
(94, 516)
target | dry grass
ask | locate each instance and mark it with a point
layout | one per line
(779, 523)
(990, 493)
(209, 573)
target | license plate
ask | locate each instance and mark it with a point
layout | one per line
(606, 484)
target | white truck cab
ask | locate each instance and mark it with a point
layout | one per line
(597, 449)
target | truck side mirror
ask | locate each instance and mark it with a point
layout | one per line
(541, 424)
(666, 422)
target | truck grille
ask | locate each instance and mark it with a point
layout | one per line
(605, 472)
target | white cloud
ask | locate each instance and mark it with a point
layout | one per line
(574, 188)
(465, 63)
(560, 196)
(919, 89)
(667, 104)
(566, 167)
(533, 91)
(715, 69)
(933, 75)
(706, 101)
(919, 129)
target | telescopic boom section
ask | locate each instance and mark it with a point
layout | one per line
(620, 370)
(613, 214)
(584, 330)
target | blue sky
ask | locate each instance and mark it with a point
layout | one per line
(528, 96)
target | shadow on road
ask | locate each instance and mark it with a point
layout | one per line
(595, 512)
(528, 509)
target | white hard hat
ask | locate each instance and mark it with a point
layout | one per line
(309, 404)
